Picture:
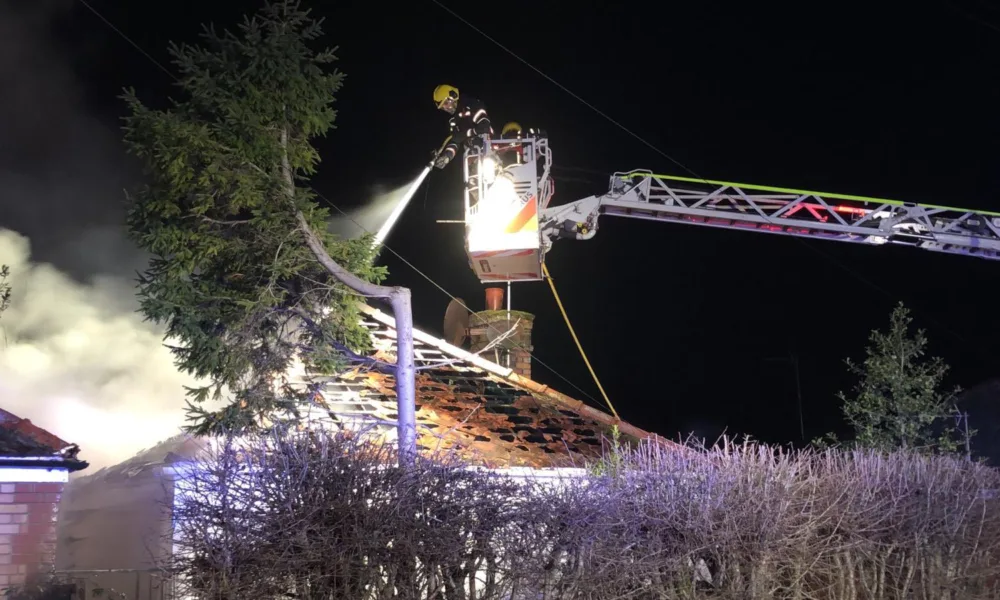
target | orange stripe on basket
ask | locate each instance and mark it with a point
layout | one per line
(523, 217)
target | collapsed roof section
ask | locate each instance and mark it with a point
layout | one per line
(485, 412)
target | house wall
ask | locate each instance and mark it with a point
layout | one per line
(115, 533)
(28, 513)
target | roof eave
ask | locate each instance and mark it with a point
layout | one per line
(43, 462)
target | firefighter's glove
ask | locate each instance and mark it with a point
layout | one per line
(442, 161)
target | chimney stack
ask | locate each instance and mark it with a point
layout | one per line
(515, 350)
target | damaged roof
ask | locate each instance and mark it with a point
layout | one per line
(22, 439)
(486, 413)
(180, 448)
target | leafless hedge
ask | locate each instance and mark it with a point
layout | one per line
(321, 516)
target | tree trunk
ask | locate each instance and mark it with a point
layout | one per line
(399, 299)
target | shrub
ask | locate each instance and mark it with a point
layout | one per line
(50, 586)
(318, 515)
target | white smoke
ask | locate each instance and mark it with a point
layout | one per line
(78, 361)
(370, 217)
(62, 167)
(75, 356)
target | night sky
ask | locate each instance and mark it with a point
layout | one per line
(679, 321)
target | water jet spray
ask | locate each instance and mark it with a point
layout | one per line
(383, 231)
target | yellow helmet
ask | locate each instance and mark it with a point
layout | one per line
(512, 127)
(443, 92)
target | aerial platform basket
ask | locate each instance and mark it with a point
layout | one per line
(505, 189)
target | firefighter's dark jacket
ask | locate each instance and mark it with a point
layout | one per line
(469, 120)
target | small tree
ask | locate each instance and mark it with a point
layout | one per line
(899, 401)
(244, 272)
(612, 461)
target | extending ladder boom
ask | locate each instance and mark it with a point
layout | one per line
(643, 195)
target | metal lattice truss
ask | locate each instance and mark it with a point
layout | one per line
(364, 397)
(803, 213)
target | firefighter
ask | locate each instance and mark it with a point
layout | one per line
(469, 124)
(511, 130)
(513, 153)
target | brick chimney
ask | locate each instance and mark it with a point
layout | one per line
(514, 351)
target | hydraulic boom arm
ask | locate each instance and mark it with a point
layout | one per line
(839, 217)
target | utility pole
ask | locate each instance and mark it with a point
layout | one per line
(793, 359)
(402, 312)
